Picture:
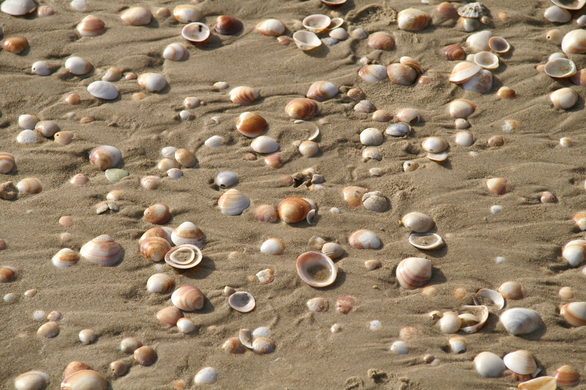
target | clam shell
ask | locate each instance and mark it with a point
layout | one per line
(399, 129)
(373, 73)
(461, 108)
(130, 344)
(263, 345)
(65, 258)
(186, 13)
(273, 246)
(417, 222)
(228, 25)
(450, 322)
(160, 283)
(176, 52)
(233, 345)
(251, 124)
(541, 383)
(494, 296)
(15, 45)
(136, 16)
(371, 137)
(306, 40)
(520, 321)
(41, 68)
(184, 256)
(105, 156)
(18, 7)
(560, 68)
(569, 4)
(381, 40)
(31, 380)
(333, 250)
(226, 179)
(169, 316)
(29, 186)
(497, 185)
(293, 210)
(102, 250)
(196, 32)
(563, 98)
(233, 202)
(317, 305)
(206, 375)
(426, 241)
(103, 90)
(271, 27)
(454, 52)
(479, 41)
(316, 269)
(145, 356)
(457, 344)
(464, 71)
(158, 213)
(302, 108)
(215, 141)
(407, 115)
(47, 128)
(7, 274)
(7, 163)
(489, 365)
(486, 59)
(365, 239)
(511, 290)
(316, 23)
(242, 301)
(401, 74)
(353, 195)
(27, 121)
(464, 138)
(245, 337)
(414, 272)
(499, 45)
(434, 144)
(520, 362)
(412, 19)
(85, 379)
(188, 298)
(574, 42)
(375, 201)
(556, 14)
(154, 248)
(480, 83)
(567, 375)
(152, 82)
(91, 26)
(157, 231)
(479, 313)
(243, 96)
(574, 313)
(322, 90)
(266, 213)
(49, 330)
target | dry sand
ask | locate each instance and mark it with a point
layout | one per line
(114, 301)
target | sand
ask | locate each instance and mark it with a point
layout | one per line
(114, 301)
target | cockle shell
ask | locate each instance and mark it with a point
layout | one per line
(271, 27)
(102, 250)
(157, 231)
(480, 83)
(472, 10)
(316, 269)
(412, 63)
(169, 316)
(464, 71)
(158, 213)
(75, 366)
(105, 156)
(103, 90)
(417, 222)
(306, 40)
(497, 185)
(373, 73)
(401, 74)
(65, 258)
(574, 42)
(27, 121)
(251, 124)
(188, 298)
(322, 90)
(32, 380)
(243, 96)
(145, 356)
(136, 16)
(521, 362)
(242, 301)
(84, 380)
(574, 252)
(520, 321)
(461, 108)
(302, 108)
(316, 23)
(273, 246)
(188, 233)
(563, 98)
(186, 13)
(206, 375)
(365, 239)
(414, 272)
(196, 32)
(154, 248)
(426, 241)
(574, 313)
(381, 40)
(412, 19)
(130, 344)
(293, 210)
(29, 186)
(233, 202)
(7, 162)
(567, 375)
(176, 52)
(489, 365)
(91, 26)
(18, 8)
(152, 82)
(486, 59)
(264, 145)
(160, 283)
(228, 25)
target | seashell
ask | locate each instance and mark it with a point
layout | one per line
(154, 248)
(185, 157)
(7, 163)
(41, 68)
(497, 185)
(520, 321)
(322, 90)
(206, 375)
(461, 108)
(271, 27)
(489, 365)
(570, 4)
(346, 304)
(464, 71)
(560, 68)
(407, 115)
(450, 322)
(414, 272)
(188, 233)
(375, 201)
(233, 202)
(511, 290)
(556, 14)
(371, 137)
(309, 148)
(188, 298)
(434, 144)
(293, 210)
(399, 129)
(263, 345)
(45, 10)
(65, 258)
(15, 45)
(73, 367)
(316, 23)
(273, 246)
(242, 301)
(175, 52)
(316, 269)
(233, 345)
(103, 90)
(31, 380)
(251, 124)
(91, 26)
(27, 121)
(574, 42)
(333, 250)
(563, 98)
(480, 83)
(228, 25)
(353, 195)
(426, 241)
(474, 318)
(521, 362)
(401, 74)
(157, 213)
(226, 179)
(136, 16)
(169, 316)
(381, 40)
(145, 356)
(7, 274)
(265, 276)
(317, 305)
(245, 337)
(457, 344)
(541, 383)
(567, 375)
(417, 222)
(266, 213)
(399, 347)
(152, 82)
(364, 239)
(264, 145)
(412, 19)
(119, 368)
(49, 330)
(479, 41)
(339, 34)
(244, 96)
(47, 128)
(18, 8)
(486, 59)
(196, 32)
(499, 45)
(382, 116)
(160, 283)
(471, 10)
(130, 344)
(186, 13)
(63, 137)
(302, 108)
(184, 256)
(579, 218)
(29, 186)
(306, 40)
(364, 106)
(454, 52)
(574, 313)
(492, 295)
(102, 250)
(87, 336)
(105, 156)
(333, 3)
(412, 63)
(85, 379)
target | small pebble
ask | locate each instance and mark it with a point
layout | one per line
(10, 298)
(375, 325)
(39, 315)
(495, 209)
(399, 347)
(336, 328)
(500, 259)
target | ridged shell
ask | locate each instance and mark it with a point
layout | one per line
(233, 202)
(489, 365)
(105, 156)
(18, 7)
(196, 32)
(412, 19)
(187, 13)
(417, 222)
(521, 362)
(574, 42)
(520, 321)
(154, 248)
(65, 258)
(136, 16)
(271, 27)
(414, 272)
(266, 213)
(228, 25)
(302, 108)
(464, 71)
(160, 283)
(242, 301)
(333, 250)
(85, 380)
(188, 298)
(322, 90)
(574, 313)
(454, 52)
(184, 256)
(169, 316)
(243, 96)
(206, 375)
(7, 162)
(31, 380)
(176, 52)
(316, 269)
(91, 26)
(102, 250)
(306, 40)
(401, 74)
(365, 239)
(381, 40)
(273, 246)
(103, 90)
(563, 98)
(264, 145)
(188, 233)
(373, 73)
(293, 210)
(251, 124)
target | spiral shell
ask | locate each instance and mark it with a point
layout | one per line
(228, 25)
(184, 256)
(102, 250)
(242, 301)
(316, 269)
(365, 239)
(7, 162)
(302, 108)
(105, 156)
(188, 298)
(412, 19)
(18, 8)
(31, 380)
(85, 379)
(293, 210)
(15, 45)
(136, 16)
(176, 52)
(270, 27)
(520, 321)
(306, 40)
(373, 73)
(91, 26)
(489, 365)
(188, 233)
(196, 32)
(65, 258)
(154, 248)
(563, 98)
(186, 13)
(158, 213)
(103, 90)
(233, 202)
(574, 313)
(414, 272)
(29, 186)
(145, 356)
(322, 90)
(381, 40)
(251, 124)
(244, 96)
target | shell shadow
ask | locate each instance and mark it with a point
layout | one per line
(214, 42)
(208, 307)
(203, 270)
(437, 253)
(536, 334)
(319, 52)
(437, 276)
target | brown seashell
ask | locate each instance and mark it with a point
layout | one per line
(251, 124)
(401, 74)
(7, 274)
(302, 108)
(574, 313)
(91, 26)
(154, 248)
(497, 185)
(15, 45)
(506, 93)
(446, 10)
(188, 298)
(454, 52)
(105, 156)
(243, 95)
(188, 233)
(233, 202)
(316, 269)
(322, 90)
(233, 345)
(160, 283)
(102, 250)
(64, 137)
(79, 180)
(49, 330)
(364, 239)
(567, 375)
(157, 213)
(7, 163)
(119, 368)
(412, 19)
(293, 210)
(85, 379)
(145, 356)
(228, 25)
(157, 231)
(579, 78)
(29, 186)
(65, 258)
(169, 316)
(381, 41)
(266, 213)
(150, 182)
(464, 71)
(136, 16)
(273, 160)
(346, 304)
(186, 158)
(73, 367)
(353, 195)
(414, 272)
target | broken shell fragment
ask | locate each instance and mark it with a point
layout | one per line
(494, 296)
(184, 256)
(474, 318)
(242, 301)
(316, 269)
(414, 272)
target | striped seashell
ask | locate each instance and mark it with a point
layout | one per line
(293, 210)
(322, 90)
(7, 162)
(160, 283)
(91, 26)
(105, 157)
(188, 298)
(184, 256)
(158, 213)
(65, 258)
(154, 248)
(233, 202)
(176, 52)
(251, 124)
(412, 19)
(102, 250)
(157, 231)
(302, 108)
(413, 272)
(188, 233)
(364, 239)
(243, 95)
(373, 73)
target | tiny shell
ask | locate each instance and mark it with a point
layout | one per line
(186, 13)
(316, 269)
(206, 375)
(103, 90)
(317, 305)
(574, 313)
(145, 356)
(175, 52)
(302, 108)
(563, 98)
(306, 40)
(381, 40)
(119, 368)
(160, 283)
(346, 304)
(233, 202)
(91, 26)
(31, 380)
(228, 25)
(136, 16)
(426, 241)
(251, 124)
(520, 321)
(270, 27)
(184, 256)
(243, 96)
(188, 298)
(196, 32)
(65, 258)
(242, 301)
(322, 90)
(414, 272)
(489, 365)
(273, 246)
(412, 19)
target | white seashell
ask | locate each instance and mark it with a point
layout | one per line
(41, 68)
(521, 362)
(574, 42)
(176, 52)
(574, 313)
(399, 129)
(245, 338)
(316, 23)
(414, 272)
(215, 141)
(457, 344)
(136, 16)
(322, 90)
(563, 98)
(574, 252)
(464, 138)
(152, 82)
(226, 179)
(168, 151)
(206, 375)
(434, 144)
(188, 233)
(160, 283)
(474, 318)
(371, 153)
(479, 41)
(31, 380)
(450, 322)
(27, 137)
(78, 66)
(102, 250)
(318, 305)
(316, 269)
(186, 13)
(365, 106)
(79, 5)
(309, 148)
(375, 201)
(27, 121)
(306, 40)
(87, 336)
(520, 321)
(493, 296)
(581, 21)
(570, 4)
(464, 71)
(242, 301)
(339, 34)
(271, 27)
(18, 7)
(556, 14)
(426, 241)
(371, 137)
(243, 95)
(365, 239)
(65, 258)
(196, 32)
(373, 73)
(471, 10)
(560, 67)
(233, 202)
(399, 347)
(47, 128)
(184, 256)
(412, 19)
(261, 331)
(273, 246)
(264, 145)
(417, 222)
(486, 59)
(103, 90)
(489, 365)
(185, 325)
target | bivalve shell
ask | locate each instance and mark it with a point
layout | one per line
(520, 321)
(302, 108)
(176, 52)
(41, 68)
(567, 375)
(322, 90)
(206, 375)
(521, 362)
(333, 250)
(479, 40)
(152, 82)
(15, 45)
(293, 210)
(169, 316)
(196, 32)
(273, 246)
(365, 239)
(316, 269)
(188, 298)
(375, 201)
(486, 59)
(426, 241)
(136, 16)
(556, 14)
(102, 250)
(574, 42)
(381, 40)
(263, 345)
(574, 252)
(497, 185)
(434, 144)
(233, 202)
(91, 26)
(316, 23)
(461, 108)
(29, 186)
(457, 344)
(541, 383)
(373, 73)
(7, 162)
(450, 322)
(454, 52)
(574, 313)
(158, 213)
(401, 74)
(18, 8)
(184, 256)
(271, 27)
(480, 83)
(317, 305)
(489, 365)
(306, 40)
(414, 272)
(226, 179)
(511, 290)
(417, 222)
(228, 25)
(145, 356)
(560, 68)
(103, 90)
(154, 248)
(105, 157)
(31, 380)
(243, 96)
(570, 4)
(65, 258)
(499, 45)
(160, 283)
(188, 233)
(464, 71)
(242, 301)
(85, 380)
(186, 13)
(564, 98)
(412, 19)
(251, 124)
